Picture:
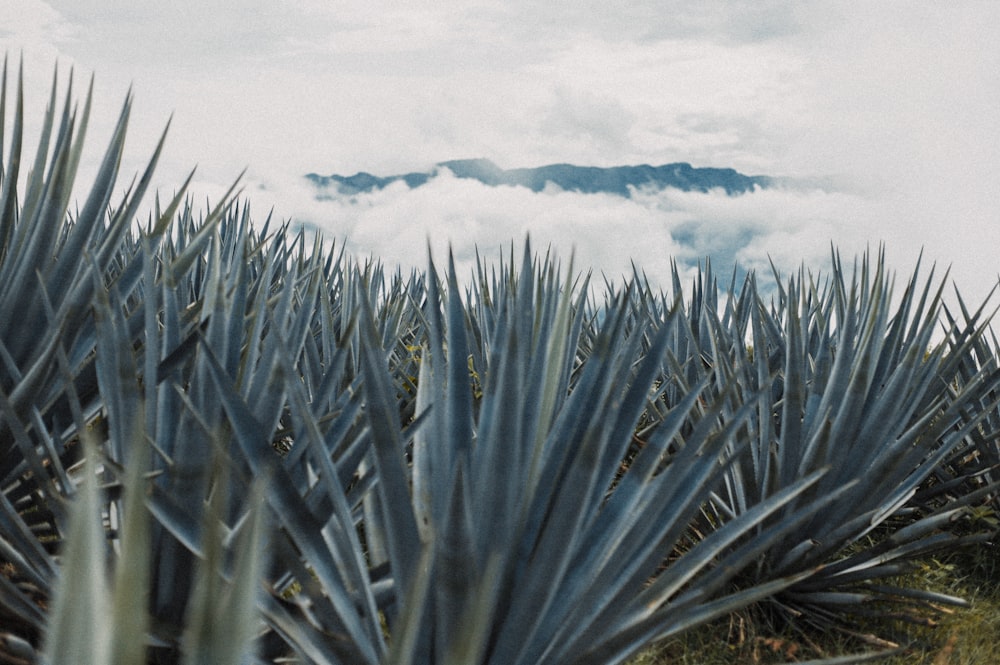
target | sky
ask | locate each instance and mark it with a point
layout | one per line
(893, 106)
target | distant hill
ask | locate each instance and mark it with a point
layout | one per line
(618, 180)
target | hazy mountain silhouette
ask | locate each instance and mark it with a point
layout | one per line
(618, 180)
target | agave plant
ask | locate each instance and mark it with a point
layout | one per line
(842, 379)
(973, 467)
(264, 318)
(490, 534)
(57, 267)
(224, 445)
(50, 263)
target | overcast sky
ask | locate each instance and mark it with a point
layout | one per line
(896, 103)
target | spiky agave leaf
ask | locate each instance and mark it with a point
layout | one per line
(222, 618)
(78, 629)
(130, 588)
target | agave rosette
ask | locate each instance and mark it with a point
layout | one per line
(847, 381)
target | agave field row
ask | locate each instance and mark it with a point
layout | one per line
(222, 442)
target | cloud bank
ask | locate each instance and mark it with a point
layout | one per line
(605, 233)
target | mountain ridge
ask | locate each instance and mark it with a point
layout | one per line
(617, 180)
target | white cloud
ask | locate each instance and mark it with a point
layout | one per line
(896, 100)
(31, 24)
(605, 232)
(397, 223)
